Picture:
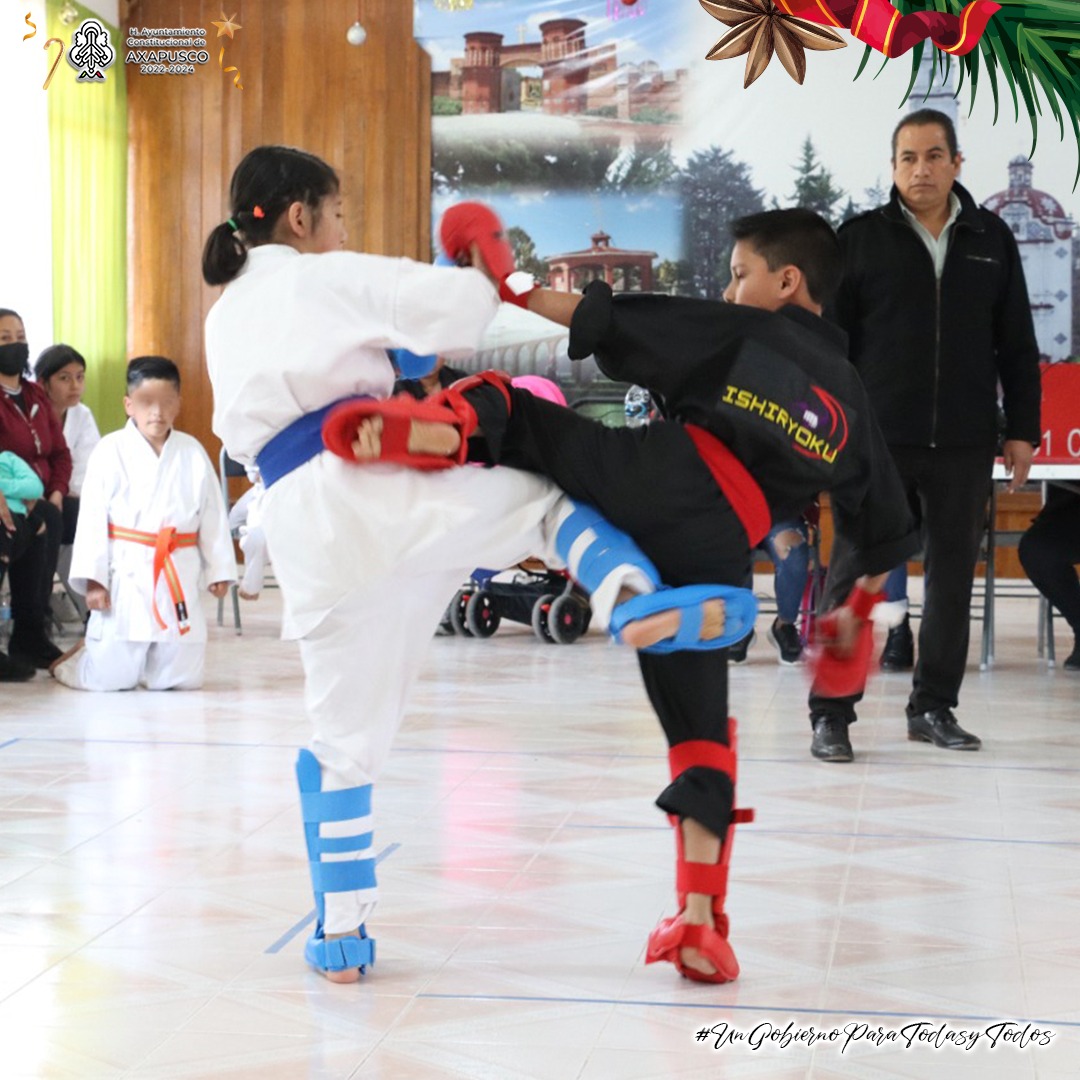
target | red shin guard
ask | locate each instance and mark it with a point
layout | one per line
(675, 934)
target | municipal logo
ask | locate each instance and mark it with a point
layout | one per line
(91, 51)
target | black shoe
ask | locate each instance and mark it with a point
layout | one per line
(787, 641)
(736, 653)
(939, 726)
(34, 649)
(14, 670)
(830, 741)
(1072, 661)
(899, 651)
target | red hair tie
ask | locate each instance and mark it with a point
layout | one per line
(258, 212)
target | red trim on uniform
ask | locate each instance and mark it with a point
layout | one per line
(739, 487)
(711, 755)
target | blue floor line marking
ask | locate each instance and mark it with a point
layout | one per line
(159, 742)
(292, 932)
(721, 1007)
(919, 837)
(309, 918)
(656, 828)
(611, 755)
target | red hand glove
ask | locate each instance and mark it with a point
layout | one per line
(835, 674)
(468, 223)
(471, 223)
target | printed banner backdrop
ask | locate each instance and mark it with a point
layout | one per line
(612, 147)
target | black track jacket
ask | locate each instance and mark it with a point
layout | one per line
(776, 388)
(931, 354)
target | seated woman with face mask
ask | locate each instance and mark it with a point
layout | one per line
(30, 429)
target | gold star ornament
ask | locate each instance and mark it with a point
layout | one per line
(760, 28)
(226, 28)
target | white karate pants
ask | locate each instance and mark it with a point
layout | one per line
(398, 543)
(113, 664)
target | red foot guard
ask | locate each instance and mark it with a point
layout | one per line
(673, 934)
(705, 879)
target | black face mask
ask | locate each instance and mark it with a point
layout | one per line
(13, 357)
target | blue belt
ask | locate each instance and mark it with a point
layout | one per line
(297, 444)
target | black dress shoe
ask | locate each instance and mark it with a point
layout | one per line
(830, 741)
(33, 649)
(1072, 661)
(939, 726)
(899, 651)
(14, 670)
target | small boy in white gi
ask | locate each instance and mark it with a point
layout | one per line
(152, 524)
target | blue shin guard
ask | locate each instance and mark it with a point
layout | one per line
(595, 551)
(349, 875)
(740, 611)
(597, 554)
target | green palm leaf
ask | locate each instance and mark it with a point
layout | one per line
(1033, 46)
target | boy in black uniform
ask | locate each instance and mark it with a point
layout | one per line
(764, 412)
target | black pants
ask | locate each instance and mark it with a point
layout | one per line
(71, 519)
(1049, 551)
(651, 483)
(31, 572)
(948, 490)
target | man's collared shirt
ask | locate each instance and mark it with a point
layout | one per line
(937, 247)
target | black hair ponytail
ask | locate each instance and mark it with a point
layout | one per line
(265, 184)
(223, 255)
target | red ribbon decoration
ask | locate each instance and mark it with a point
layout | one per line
(881, 26)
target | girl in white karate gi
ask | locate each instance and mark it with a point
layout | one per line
(152, 525)
(366, 558)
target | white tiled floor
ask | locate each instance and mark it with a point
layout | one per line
(153, 891)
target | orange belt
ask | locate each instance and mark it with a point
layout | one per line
(164, 542)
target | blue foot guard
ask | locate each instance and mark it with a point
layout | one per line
(318, 806)
(594, 549)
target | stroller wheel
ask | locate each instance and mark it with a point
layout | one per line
(458, 607)
(480, 615)
(567, 619)
(583, 600)
(540, 618)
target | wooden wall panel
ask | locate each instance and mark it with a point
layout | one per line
(365, 110)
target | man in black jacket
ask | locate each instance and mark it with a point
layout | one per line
(934, 302)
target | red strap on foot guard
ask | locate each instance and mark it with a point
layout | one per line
(835, 675)
(453, 397)
(710, 879)
(398, 413)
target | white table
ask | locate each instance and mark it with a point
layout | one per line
(1062, 472)
(1053, 470)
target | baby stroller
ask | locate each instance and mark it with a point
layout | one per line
(544, 599)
